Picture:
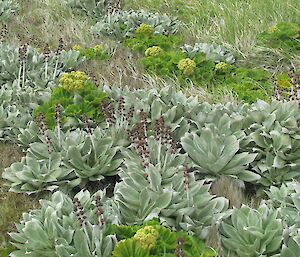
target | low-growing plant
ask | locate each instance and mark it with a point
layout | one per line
(213, 52)
(284, 35)
(156, 183)
(92, 53)
(152, 239)
(76, 97)
(251, 233)
(65, 227)
(215, 154)
(124, 23)
(64, 161)
(285, 200)
(142, 40)
(274, 131)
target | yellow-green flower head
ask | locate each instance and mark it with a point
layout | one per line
(77, 47)
(146, 237)
(98, 48)
(74, 81)
(221, 66)
(154, 51)
(145, 29)
(187, 66)
(283, 81)
(272, 29)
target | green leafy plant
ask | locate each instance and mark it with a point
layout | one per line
(141, 41)
(65, 227)
(152, 239)
(249, 232)
(77, 97)
(284, 35)
(93, 53)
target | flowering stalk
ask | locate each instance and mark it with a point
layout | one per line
(46, 54)
(58, 53)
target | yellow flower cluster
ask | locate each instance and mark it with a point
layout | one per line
(187, 66)
(272, 29)
(98, 48)
(146, 237)
(77, 47)
(74, 81)
(283, 82)
(154, 51)
(221, 66)
(145, 29)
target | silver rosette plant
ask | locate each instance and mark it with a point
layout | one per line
(65, 227)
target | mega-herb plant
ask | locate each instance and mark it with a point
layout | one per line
(274, 132)
(64, 160)
(215, 154)
(156, 183)
(251, 233)
(77, 99)
(65, 227)
(124, 23)
(152, 239)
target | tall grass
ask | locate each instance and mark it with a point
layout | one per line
(234, 22)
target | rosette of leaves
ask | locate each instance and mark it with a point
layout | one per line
(12, 119)
(37, 69)
(274, 130)
(251, 233)
(284, 35)
(62, 227)
(94, 8)
(124, 23)
(32, 176)
(75, 102)
(286, 200)
(291, 244)
(7, 9)
(214, 154)
(136, 241)
(158, 186)
(173, 106)
(213, 52)
(96, 158)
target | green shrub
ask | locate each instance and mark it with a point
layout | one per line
(140, 42)
(284, 35)
(77, 96)
(92, 53)
(152, 239)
